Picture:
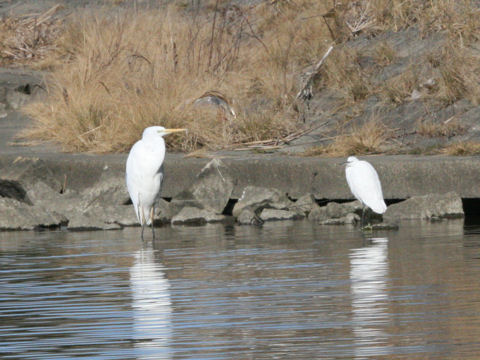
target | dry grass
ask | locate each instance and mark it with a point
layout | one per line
(384, 54)
(366, 139)
(114, 73)
(343, 73)
(126, 71)
(459, 74)
(29, 39)
(400, 88)
(462, 149)
(447, 128)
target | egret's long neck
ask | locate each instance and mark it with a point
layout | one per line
(155, 144)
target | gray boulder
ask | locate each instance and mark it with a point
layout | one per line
(27, 171)
(348, 219)
(41, 194)
(107, 191)
(14, 190)
(336, 210)
(163, 211)
(213, 186)
(211, 190)
(431, 206)
(16, 215)
(97, 217)
(257, 198)
(336, 213)
(318, 213)
(275, 214)
(249, 217)
(181, 200)
(86, 221)
(192, 215)
(304, 204)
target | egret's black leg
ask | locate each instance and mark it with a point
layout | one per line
(363, 216)
(142, 221)
(151, 222)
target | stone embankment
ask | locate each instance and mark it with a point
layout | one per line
(83, 194)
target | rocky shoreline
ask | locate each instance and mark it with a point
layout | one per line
(40, 187)
(34, 196)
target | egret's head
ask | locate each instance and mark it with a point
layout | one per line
(350, 161)
(158, 131)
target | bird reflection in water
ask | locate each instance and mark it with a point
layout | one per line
(151, 304)
(368, 274)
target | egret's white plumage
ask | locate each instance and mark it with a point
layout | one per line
(364, 184)
(144, 172)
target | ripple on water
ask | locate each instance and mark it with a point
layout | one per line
(285, 290)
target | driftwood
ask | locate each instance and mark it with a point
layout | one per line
(306, 92)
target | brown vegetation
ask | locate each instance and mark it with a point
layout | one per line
(126, 71)
(116, 72)
(462, 149)
(370, 138)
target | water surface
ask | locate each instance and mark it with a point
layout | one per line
(285, 290)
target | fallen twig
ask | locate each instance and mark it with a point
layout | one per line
(275, 143)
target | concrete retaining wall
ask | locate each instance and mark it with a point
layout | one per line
(401, 176)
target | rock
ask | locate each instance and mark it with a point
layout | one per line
(16, 99)
(249, 217)
(384, 226)
(352, 218)
(14, 190)
(96, 217)
(213, 186)
(16, 215)
(211, 190)
(191, 215)
(335, 213)
(256, 198)
(181, 200)
(163, 211)
(304, 204)
(318, 214)
(88, 221)
(336, 210)
(108, 190)
(353, 206)
(29, 170)
(429, 206)
(275, 214)
(41, 194)
(336, 221)
(349, 219)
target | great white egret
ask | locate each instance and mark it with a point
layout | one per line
(365, 185)
(144, 172)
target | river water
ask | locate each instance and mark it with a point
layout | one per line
(287, 290)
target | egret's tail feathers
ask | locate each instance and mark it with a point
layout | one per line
(379, 208)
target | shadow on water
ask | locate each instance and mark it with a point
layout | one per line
(283, 290)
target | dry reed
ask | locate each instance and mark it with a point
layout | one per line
(118, 72)
(126, 71)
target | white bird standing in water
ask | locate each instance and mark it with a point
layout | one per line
(365, 185)
(144, 172)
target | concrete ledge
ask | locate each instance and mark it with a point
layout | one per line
(401, 176)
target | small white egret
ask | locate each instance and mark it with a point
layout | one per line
(365, 185)
(144, 172)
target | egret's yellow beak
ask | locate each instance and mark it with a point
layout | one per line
(169, 131)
